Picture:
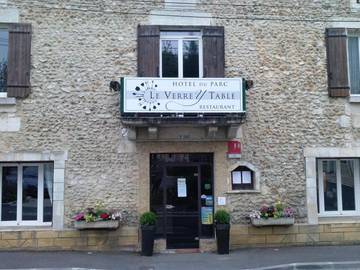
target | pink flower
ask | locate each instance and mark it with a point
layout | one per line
(80, 216)
(104, 216)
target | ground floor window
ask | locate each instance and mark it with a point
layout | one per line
(26, 194)
(338, 186)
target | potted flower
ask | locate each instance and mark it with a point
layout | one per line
(222, 227)
(274, 215)
(97, 218)
(147, 223)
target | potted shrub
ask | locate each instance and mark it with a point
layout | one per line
(273, 215)
(147, 223)
(222, 226)
(97, 218)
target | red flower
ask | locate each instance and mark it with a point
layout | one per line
(104, 216)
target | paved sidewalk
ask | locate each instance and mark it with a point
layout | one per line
(240, 259)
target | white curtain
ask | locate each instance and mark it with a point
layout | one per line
(49, 179)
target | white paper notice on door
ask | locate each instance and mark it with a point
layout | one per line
(181, 187)
(246, 177)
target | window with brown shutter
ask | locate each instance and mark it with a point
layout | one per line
(337, 62)
(19, 62)
(149, 49)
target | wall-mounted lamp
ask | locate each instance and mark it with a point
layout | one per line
(115, 86)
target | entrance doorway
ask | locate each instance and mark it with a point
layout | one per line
(181, 194)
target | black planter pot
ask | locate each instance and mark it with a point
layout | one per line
(222, 238)
(147, 240)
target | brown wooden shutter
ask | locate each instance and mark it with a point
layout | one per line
(337, 62)
(19, 60)
(148, 50)
(213, 51)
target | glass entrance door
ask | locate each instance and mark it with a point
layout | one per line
(181, 207)
(181, 195)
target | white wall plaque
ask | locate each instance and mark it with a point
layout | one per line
(178, 95)
(221, 201)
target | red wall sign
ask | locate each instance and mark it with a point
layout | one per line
(234, 147)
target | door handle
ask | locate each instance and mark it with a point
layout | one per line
(169, 206)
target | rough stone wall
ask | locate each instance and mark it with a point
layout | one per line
(80, 46)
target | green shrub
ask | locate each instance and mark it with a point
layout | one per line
(222, 217)
(148, 219)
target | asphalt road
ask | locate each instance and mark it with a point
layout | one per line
(240, 259)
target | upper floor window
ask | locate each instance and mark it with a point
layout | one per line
(343, 62)
(4, 41)
(181, 51)
(15, 59)
(181, 55)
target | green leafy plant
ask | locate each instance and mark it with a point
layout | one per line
(89, 217)
(148, 219)
(222, 217)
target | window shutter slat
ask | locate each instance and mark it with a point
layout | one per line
(19, 60)
(338, 76)
(213, 51)
(148, 50)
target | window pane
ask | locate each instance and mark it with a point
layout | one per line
(169, 49)
(30, 193)
(191, 58)
(330, 189)
(354, 65)
(347, 184)
(4, 39)
(48, 191)
(9, 194)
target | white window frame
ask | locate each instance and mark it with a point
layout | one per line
(348, 60)
(3, 27)
(339, 212)
(40, 202)
(181, 38)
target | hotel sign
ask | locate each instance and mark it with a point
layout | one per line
(178, 95)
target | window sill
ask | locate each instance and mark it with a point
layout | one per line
(243, 191)
(339, 219)
(354, 99)
(7, 101)
(25, 228)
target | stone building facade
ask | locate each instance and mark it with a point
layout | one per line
(294, 123)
